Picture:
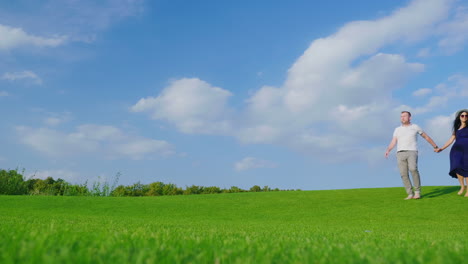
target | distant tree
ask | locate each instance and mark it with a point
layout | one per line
(119, 191)
(12, 182)
(255, 188)
(47, 186)
(30, 184)
(194, 189)
(235, 189)
(155, 189)
(75, 190)
(211, 190)
(59, 186)
(171, 189)
(139, 189)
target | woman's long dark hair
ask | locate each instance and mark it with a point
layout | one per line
(457, 121)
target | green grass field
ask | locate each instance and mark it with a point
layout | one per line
(339, 226)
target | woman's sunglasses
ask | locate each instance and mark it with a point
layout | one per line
(463, 116)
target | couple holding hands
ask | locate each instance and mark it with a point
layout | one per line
(405, 137)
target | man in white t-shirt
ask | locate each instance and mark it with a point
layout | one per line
(406, 137)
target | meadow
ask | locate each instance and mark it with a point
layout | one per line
(333, 226)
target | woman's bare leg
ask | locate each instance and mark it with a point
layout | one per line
(461, 179)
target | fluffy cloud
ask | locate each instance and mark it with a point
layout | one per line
(87, 139)
(326, 77)
(14, 37)
(98, 133)
(339, 85)
(3, 93)
(193, 105)
(455, 32)
(53, 121)
(78, 20)
(252, 163)
(440, 128)
(93, 15)
(424, 52)
(455, 87)
(139, 148)
(422, 92)
(53, 142)
(23, 75)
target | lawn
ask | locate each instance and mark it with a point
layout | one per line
(333, 226)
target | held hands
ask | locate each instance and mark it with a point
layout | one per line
(438, 150)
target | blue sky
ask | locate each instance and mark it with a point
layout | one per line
(294, 95)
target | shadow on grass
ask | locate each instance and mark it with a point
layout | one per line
(440, 191)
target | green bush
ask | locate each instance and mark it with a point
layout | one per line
(255, 188)
(76, 190)
(119, 191)
(155, 189)
(211, 190)
(194, 189)
(172, 189)
(12, 183)
(235, 189)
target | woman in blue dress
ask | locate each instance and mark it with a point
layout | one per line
(459, 151)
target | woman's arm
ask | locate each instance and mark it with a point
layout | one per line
(448, 143)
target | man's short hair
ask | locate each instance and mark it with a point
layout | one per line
(409, 114)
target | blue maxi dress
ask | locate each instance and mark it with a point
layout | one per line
(459, 154)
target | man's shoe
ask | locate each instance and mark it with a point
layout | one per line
(417, 196)
(409, 197)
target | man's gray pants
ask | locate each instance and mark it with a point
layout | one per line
(408, 161)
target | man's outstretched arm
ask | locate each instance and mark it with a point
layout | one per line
(429, 139)
(390, 146)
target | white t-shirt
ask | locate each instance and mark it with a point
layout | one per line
(407, 137)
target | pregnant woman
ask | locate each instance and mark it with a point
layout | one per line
(459, 151)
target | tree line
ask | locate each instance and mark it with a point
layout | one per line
(14, 183)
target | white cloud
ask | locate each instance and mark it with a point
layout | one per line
(193, 105)
(434, 102)
(55, 143)
(252, 163)
(455, 32)
(78, 20)
(455, 87)
(95, 15)
(339, 85)
(424, 52)
(422, 92)
(55, 119)
(108, 141)
(139, 148)
(23, 75)
(440, 128)
(4, 93)
(99, 132)
(326, 85)
(14, 37)
(460, 84)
